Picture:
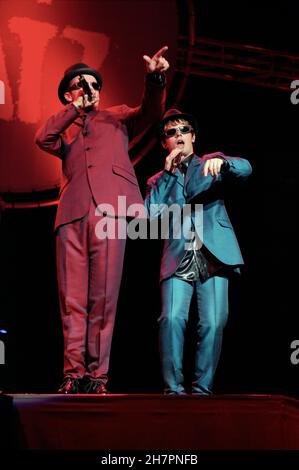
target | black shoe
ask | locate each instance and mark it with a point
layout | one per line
(96, 386)
(70, 385)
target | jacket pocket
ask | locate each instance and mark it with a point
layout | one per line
(119, 170)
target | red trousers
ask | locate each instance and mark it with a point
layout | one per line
(89, 273)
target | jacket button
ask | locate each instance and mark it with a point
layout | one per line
(87, 148)
(89, 166)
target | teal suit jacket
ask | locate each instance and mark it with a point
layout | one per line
(196, 193)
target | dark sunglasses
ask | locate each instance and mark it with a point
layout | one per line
(182, 129)
(78, 86)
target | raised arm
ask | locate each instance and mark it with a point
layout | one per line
(153, 102)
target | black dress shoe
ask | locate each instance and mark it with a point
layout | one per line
(96, 386)
(70, 385)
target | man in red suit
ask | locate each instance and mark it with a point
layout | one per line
(93, 147)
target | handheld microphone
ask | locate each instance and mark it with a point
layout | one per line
(83, 117)
(86, 88)
(177, 159)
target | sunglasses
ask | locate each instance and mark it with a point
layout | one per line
(174, 130)
(78, 86)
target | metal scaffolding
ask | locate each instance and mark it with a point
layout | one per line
(242, 63)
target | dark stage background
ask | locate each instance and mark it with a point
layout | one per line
(257, 123)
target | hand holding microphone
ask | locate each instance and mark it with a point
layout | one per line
(86, 99)
(86, 88)
(173, 160)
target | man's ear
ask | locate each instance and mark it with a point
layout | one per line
(193, 138)
(163, 143)
(68, 96)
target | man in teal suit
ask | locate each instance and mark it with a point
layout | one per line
(200, 249)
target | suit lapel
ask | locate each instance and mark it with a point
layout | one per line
(195, 162)
(193, 165)
(180, 177)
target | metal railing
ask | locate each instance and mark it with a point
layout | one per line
(242, 63)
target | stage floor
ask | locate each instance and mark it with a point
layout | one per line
(151, 422)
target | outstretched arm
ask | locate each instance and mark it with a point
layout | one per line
(216, 167)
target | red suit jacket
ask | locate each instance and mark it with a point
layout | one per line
(95, 160)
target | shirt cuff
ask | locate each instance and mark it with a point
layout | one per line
(225, 166)
(156, 77)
